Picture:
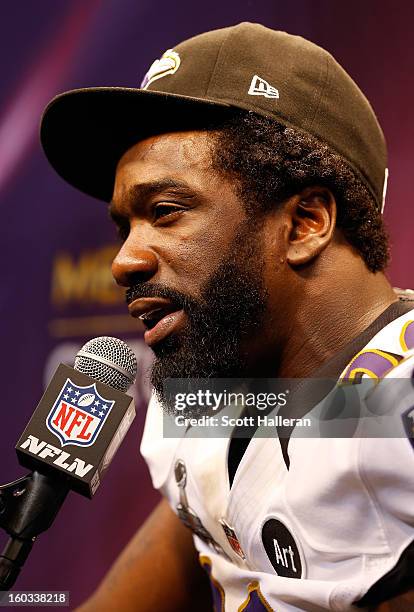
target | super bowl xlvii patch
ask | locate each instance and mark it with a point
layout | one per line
(282, 549)
(408, 422)
(78, 414)
(232, 539)
(167, 64)
(187, 515)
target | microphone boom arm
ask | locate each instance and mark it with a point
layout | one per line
(28, 506)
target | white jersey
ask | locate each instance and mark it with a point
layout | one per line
(316, 535)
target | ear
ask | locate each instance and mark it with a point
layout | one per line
(313, 218)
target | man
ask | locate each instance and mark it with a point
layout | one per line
(247, 179)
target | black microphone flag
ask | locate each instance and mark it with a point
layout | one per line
(76, 429)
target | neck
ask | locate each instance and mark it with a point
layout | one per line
(329, 312)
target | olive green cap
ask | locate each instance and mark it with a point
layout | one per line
(84, 132)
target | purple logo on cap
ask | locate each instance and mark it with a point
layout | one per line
(167, 64)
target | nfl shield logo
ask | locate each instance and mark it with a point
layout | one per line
(78, 414)
(232, 538)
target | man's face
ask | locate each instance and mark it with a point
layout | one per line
(193, 261)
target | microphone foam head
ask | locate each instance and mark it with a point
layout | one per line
(108, 360)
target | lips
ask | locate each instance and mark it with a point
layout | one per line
(160, 317)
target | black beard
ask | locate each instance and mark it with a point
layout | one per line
(231, 307)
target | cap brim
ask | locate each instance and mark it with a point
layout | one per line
(85, 132)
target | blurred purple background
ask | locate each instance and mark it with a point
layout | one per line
(57, 243)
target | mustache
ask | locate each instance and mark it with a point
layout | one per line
(179, 299)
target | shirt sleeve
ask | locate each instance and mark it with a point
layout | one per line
(387, 468)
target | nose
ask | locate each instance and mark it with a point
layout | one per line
(134, 265)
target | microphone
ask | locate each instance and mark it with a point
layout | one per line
(68, 444)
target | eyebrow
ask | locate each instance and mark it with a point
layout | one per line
(141, 191)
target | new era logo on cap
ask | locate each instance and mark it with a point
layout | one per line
(260, 87)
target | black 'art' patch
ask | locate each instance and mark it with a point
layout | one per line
(281, 548)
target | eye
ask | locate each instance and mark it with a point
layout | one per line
(166, 210)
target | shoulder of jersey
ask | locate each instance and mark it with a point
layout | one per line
(387, 353)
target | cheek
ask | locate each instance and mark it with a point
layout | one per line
(197, 252)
